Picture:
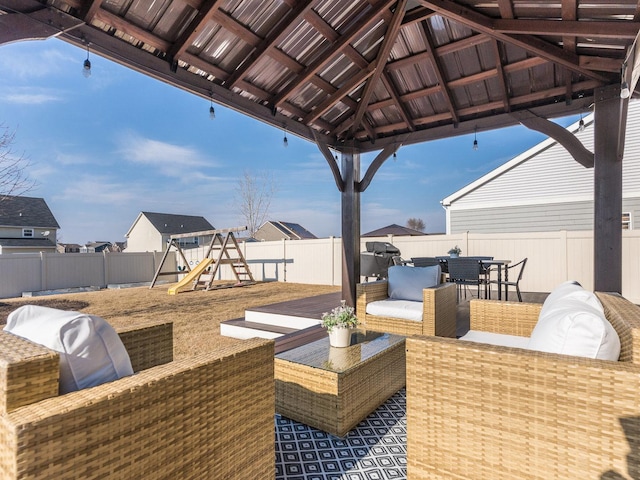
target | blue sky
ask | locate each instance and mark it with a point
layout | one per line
(104, 148)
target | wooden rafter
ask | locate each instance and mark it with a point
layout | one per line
(438, 70)
(186, 39)
(593, 29)
(350, 85)
(383, 55)
(502, 80)
(569, 13)
(267, 46)
(332, 51)
(479, 22)
(89, 9)
(506, 8)
(395, 97)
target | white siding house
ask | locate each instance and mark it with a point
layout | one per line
(545, 189)
(151, 231)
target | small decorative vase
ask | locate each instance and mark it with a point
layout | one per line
(340, 337)
(453, 255)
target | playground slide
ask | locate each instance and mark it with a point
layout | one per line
(191, 276)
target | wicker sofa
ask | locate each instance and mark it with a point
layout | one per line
(477, 411)
(210, 416)
(438, 314)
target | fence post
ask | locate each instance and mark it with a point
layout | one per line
(43, 271)
(105, 268)
(284, 259)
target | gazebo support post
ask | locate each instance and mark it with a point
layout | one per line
(609, 134)
(350, 225)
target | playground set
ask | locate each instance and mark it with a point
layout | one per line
(203, 274)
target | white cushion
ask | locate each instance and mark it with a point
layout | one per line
(574, 327)
(91, 351)
(407, 283)
(499, 339)
(570, 290)
(404, 309)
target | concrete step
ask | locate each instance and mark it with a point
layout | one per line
(281, 320)
(240, 328)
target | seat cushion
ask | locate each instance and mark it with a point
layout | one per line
(91, 352)
(403, 309)
(407, 283)
(499, 339)
(574, 327)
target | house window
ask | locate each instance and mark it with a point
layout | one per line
(626, 221)
(27, 232)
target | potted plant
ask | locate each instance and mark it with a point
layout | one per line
(455, 252)
(340, 323)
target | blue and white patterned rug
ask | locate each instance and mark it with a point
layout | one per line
(375, 450)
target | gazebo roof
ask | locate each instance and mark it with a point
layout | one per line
(353, 73)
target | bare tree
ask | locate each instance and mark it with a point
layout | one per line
(13, 178)
(252, 199)
(416, 224)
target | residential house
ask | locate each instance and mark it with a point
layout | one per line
(26, 225)
(545, 189)
(151, 232)
(95, 247)
(394, 230)
(68, 248)
(273, 230)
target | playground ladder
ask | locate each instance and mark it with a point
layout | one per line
(237, 262)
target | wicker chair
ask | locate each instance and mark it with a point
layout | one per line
(210, 416)
(477, 411)
(438, 316)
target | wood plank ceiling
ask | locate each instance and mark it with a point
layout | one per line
(363, 74)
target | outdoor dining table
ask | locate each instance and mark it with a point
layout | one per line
(500, 264)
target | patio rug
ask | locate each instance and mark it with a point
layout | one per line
(375, 450)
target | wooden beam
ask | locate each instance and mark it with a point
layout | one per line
(39, 24)
(502, 79)
(128, 28)
(565, 28)
(350, 226)
(438, 70)
(390, 37)
(478, 22)
(269, 43)
(560, 134)
(189, 35)
(506, 8)
(375, 165)
(610, 113)
(333, 165)
(335, 49)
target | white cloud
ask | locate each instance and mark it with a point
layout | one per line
(37, 63)
(95, 189)
(171, 160)
(30, 96)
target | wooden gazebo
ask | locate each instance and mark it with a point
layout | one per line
(356, 76)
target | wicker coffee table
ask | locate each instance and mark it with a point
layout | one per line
(333, 389)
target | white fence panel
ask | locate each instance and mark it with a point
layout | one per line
(20, 273)
(73, 270)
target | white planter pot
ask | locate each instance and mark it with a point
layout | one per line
(453, 255)
(340, 337)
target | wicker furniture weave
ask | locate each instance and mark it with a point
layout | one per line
(210, 416)
(438, 315)
(333, 389)
(478, 411)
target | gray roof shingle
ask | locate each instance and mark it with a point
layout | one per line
(167, 223)
(26, 212)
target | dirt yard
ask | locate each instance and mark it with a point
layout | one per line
(196, 315)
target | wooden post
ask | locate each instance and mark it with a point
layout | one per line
(350, 226)
(609, 132)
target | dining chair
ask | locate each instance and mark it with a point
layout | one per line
(465, 271)
(510, 271)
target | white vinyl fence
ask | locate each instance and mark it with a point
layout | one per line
(36, 272)
(552, 258)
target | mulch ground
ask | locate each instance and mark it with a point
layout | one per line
(196, 315)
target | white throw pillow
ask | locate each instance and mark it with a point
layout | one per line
(406, 283)
(91, 351)
(573, 327)
(404, 309)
